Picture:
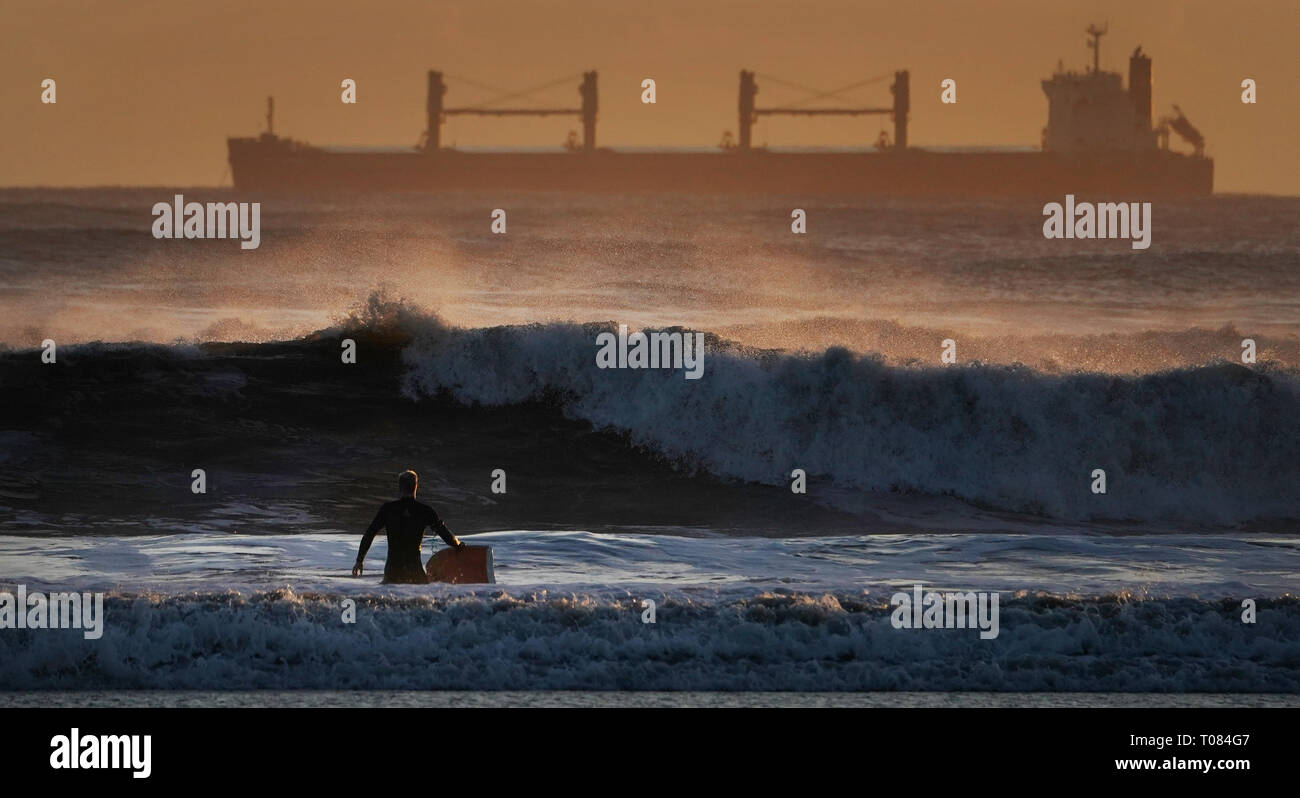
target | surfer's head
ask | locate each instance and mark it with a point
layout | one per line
(407, 482)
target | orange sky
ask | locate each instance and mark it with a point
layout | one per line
(148, 90)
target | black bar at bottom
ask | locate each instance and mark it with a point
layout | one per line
(486, 749)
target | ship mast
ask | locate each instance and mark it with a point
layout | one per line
(1095, 45)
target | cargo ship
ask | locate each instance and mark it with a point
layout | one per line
(1100, 138)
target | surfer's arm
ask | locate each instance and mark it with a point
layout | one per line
(367, 539)
(443, 532)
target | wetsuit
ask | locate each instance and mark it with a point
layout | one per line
(405, 520)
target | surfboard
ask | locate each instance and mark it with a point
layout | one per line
(464, 566)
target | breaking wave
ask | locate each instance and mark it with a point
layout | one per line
(767, 641)
(1205, 445)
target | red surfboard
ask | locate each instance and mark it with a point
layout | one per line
(467, 565)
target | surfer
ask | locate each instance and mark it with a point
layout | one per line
(405, 520)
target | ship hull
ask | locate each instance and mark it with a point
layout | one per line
(258, 165)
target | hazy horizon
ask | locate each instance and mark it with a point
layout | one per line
(148, 93)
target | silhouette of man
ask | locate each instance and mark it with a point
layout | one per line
(405, 521)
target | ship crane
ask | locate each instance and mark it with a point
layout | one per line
(431, 141)
(749, 112)
(1184, 128)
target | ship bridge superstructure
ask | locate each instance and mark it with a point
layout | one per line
(1091, 112)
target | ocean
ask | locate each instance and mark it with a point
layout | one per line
(476, 364)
